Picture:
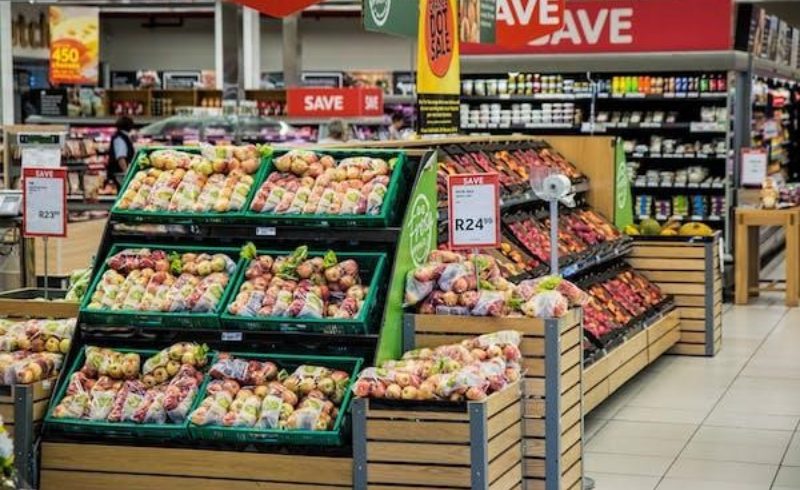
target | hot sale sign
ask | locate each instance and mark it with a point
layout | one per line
(592, 26)
(334, 102)
(44, 202)
(474, 211)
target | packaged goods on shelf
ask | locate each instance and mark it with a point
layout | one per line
(32, 350)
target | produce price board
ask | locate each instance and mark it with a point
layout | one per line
(44, 200)
(474, 211)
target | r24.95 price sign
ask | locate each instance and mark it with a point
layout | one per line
(473, 211)
(44, 202)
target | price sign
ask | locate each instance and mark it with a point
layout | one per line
(44, 202)
(754, 166)
(474, 211)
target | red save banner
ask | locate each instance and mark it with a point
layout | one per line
(597, 26)
(277, 8)
(334, 102)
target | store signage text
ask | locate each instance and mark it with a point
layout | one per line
(44, 202)
(334, 102)
(473, 211)
(612, 26)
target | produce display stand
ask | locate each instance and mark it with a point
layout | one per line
(689, 269)
(23, 408)
(90, 460)
(552, 356)
(475, 445)
(606, 375)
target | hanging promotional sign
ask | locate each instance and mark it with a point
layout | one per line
(591, 26)
(334, 102)
(477, 20)
(74, 45)
(44, 202)
(277, 8)
(397, 17)
(438, 67)
(473, 207)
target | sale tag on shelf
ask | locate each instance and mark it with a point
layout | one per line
(473, 211)
(44, 202)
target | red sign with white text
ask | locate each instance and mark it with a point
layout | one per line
(602, 26)
(334, 102)
(277, 8)
(44, 202)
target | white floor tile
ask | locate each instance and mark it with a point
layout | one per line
(788, 476)
(670, 415)
(609, 481)
(625, 464)
(728, 418)
(686, 484)
(644, 445)
(723, 471)
(792, 457)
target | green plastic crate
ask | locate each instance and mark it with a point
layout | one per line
(384, 219)
(159, 318)
(166, 431)
(182, 217)
(372, 265)
(246, 435)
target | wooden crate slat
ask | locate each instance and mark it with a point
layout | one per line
(571, 416)
(669, 264)
(668, 252)
(414, 474)
(411, 431)
(571, 358)
(662, 345)
(570, 437)
(533, 468)
(662, 326)
(503, 420)
(693, 325)
(504, 440)
(572, 475)
(500, 466)
(595, 396)
(41, 390)
(682, 300)
(500, 401)
(408, 452)
(39, 410)
(533, 427)
(689, 349)
(535, 447)
(571, 455)
(570, 338)
(417, 415)
(195, 463)
(627, 371)
(674, 276)
(88, 480)
(595, 373)
(693, 337)
(512, 479)
(682, 288)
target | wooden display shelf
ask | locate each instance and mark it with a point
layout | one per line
(67, 466)
(606, 375)
(17, 303)
(688, 269)
(468, 445)
(552, 425)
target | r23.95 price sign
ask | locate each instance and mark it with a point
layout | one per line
(44, 202)
(473, 211)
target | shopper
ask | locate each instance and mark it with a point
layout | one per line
(337, 132)
(120, 150)
(396, 128)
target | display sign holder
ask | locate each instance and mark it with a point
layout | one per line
(754, 167)
(44, 208)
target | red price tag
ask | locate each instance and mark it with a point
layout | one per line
(44, 202)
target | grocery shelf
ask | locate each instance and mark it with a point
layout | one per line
(529, 197)
(670, 96)
(520, 127)
(679, 217)
(524, 98)
(607, 62)
(685, 156)
(691, 188)
(91, 121)
(618, 251)
(693, 127)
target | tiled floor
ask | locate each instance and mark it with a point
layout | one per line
(727, 423)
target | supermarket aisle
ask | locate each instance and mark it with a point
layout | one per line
(728, 423)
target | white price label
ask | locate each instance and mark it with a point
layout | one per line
(45, 202)
(754, 166)
(474, 211)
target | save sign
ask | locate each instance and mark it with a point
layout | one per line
(44, 202)
(473, 211)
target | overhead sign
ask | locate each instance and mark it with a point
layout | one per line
(591, 26)
(476, 20)
(277, 8)
(438, 67)
(398, 17)
(44, 202)
(334, 102)
(754, 166)
(473, 211)
(74, 45)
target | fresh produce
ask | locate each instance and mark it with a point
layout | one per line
(28, 367)
(299, 286)
(78, 284)
(624, 295)
(310, 183)
(471, 370)
(454, 284)
(112, 386)
(36, 335)
(155, 280)
(256, 394)
(219, 179)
